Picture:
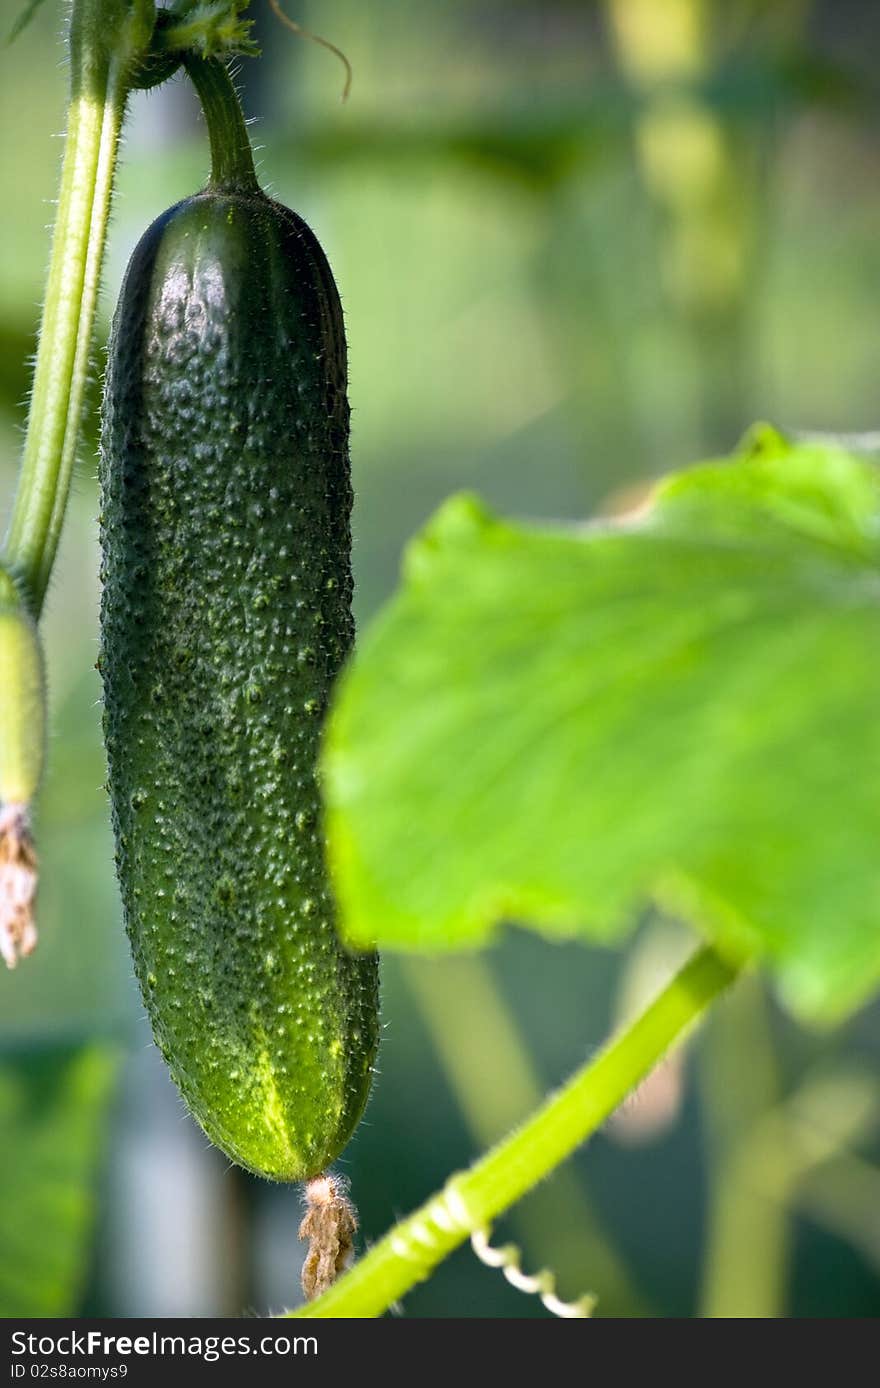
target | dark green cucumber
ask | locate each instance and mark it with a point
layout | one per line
(225, 618)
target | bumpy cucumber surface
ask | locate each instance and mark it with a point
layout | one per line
(225, 618)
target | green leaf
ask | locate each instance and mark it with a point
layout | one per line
(53, 1107)
(554, 725)
(23, 20)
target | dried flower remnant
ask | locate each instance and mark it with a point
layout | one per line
(18, 885)
(330, 1224)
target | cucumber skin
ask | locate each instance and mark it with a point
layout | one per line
(225, 616)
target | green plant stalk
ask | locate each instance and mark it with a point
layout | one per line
(768, 1158)
(472, 1199)
(106, 38)
(494, 1084)
(748, 1235)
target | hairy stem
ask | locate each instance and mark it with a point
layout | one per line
(471, 1200)
(232, 161)
(106, 37)
(494, 1085)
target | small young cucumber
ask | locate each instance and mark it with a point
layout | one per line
(225, 618)
(22, 700)
(22, 751)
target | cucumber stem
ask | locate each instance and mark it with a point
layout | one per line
(232, 160)
(471, 1200)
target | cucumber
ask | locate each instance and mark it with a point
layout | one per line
(225, 617)
(22, 700)
(22, 752)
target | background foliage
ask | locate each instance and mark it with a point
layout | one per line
(576, 247)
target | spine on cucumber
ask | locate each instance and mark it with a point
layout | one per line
(225, 619)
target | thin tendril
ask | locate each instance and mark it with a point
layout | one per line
(315, 38)
(542, 1284)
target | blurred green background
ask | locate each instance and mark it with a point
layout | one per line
(577, 244)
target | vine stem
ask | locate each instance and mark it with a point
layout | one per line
(470, 1200)
(104, 40)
